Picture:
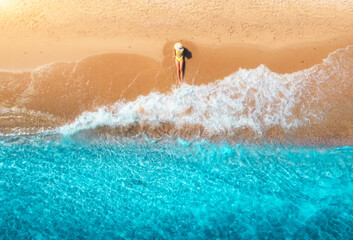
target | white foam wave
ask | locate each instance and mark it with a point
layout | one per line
(256, 98)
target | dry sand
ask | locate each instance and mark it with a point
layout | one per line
(245, 33)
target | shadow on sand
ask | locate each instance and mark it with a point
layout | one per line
(187, 54)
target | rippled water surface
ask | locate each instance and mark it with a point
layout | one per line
(54, 187)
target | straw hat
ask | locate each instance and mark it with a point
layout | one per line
(179, 47)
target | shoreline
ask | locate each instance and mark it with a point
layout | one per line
(65, 90)
(102, 80)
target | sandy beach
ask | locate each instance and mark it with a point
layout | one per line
(65, 57)
(222, 36)
(232, 33)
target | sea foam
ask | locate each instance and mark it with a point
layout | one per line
(255, 98)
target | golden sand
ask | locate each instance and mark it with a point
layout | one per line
(286, 35)
(64, 57)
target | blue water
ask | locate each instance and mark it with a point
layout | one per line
(54, 188)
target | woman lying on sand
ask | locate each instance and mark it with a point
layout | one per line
(179, 61)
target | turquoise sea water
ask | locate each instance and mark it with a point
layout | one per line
(53, 187)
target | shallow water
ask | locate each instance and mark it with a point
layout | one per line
(66, 187)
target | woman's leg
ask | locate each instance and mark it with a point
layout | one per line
(178, 69)
(181, 65)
